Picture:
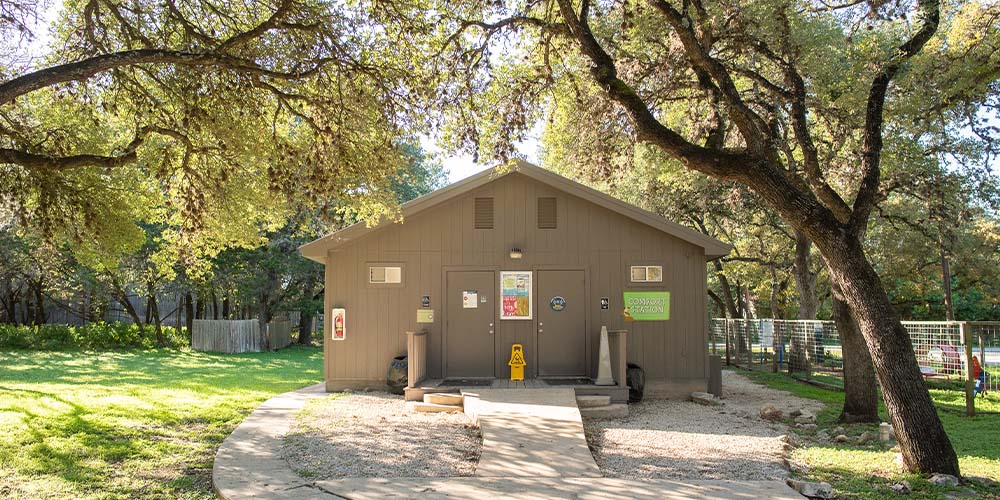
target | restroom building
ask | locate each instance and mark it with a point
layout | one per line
(516, 255)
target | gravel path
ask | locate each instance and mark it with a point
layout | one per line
(683, 440)
(377, 435)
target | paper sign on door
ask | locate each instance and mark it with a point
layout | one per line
(470, 299)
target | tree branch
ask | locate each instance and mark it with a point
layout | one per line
(713, 162)
(270, 23)
(750, 124)
(83, 70)
(868, 191)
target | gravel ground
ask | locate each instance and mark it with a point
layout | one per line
(683, 440)
(376, 435)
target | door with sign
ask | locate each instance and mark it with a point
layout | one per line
(470, 318)
(562, 323)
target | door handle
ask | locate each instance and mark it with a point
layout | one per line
(491, 328)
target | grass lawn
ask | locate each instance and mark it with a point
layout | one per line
(130, 424)
(868, 471)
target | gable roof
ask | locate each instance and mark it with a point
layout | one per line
(714, 248)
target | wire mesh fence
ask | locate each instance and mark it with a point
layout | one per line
(985, 339)
(814, 348)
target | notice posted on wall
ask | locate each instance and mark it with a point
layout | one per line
(647, 306)
(515, 294)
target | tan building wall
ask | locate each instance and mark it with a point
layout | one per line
(590, 237)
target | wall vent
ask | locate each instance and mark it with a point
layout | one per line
(547, 213)
(484, 213)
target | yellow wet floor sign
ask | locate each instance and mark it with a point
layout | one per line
(516, 362)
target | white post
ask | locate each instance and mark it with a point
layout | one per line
(604, 363)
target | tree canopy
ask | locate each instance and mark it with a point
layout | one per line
(212, 119)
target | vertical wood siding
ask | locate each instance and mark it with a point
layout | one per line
(588, 236)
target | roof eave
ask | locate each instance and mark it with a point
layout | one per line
(714, 248)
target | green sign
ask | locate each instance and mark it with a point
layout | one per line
(647, 306)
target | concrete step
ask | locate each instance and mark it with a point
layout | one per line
(617, 410)
(436, 408)
(592, 401)
(444, 398)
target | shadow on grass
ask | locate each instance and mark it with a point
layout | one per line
(89, 440)
(131, 423)
(853, 471)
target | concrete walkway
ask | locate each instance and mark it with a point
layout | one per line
(546, 488)
(249, 462)
(530, 433)
(533, 448)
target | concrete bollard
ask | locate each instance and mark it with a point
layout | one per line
(715, 375)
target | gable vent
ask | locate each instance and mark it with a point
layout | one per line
(484, 213)
(547, 213)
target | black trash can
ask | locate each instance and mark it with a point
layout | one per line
(635, 376)
(396, 377)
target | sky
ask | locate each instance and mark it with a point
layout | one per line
(461, 166)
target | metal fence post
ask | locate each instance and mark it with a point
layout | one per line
(774, 346)
(729, 348)
(970, 394)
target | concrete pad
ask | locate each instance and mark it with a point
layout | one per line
(617, 410)
(592, 401)
(444, 398)
(555, 488)
(436, 408)
(531, 433)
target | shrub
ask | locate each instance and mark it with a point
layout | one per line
(53, 336)
(17, 337)
(99, 335)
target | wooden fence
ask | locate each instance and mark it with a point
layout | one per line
(279, 334)
(229, 336)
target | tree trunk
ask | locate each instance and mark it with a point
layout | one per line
(727, 290)
(180, 308)
(925, 445)
(860, 385)
(805, 279)
(155, 313)
(215, 305)
(189, 312)
(719, 303)
(264, 319)
(39, 318)
(225, 307)
(305, 328)
(949, 309)
(199, 307)
(122, 297)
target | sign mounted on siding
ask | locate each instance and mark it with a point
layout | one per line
(338, 330)
(647, 306)
(425, 315)
(515, 295)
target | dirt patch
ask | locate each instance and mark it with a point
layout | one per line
(377, 435)
(684, 440)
